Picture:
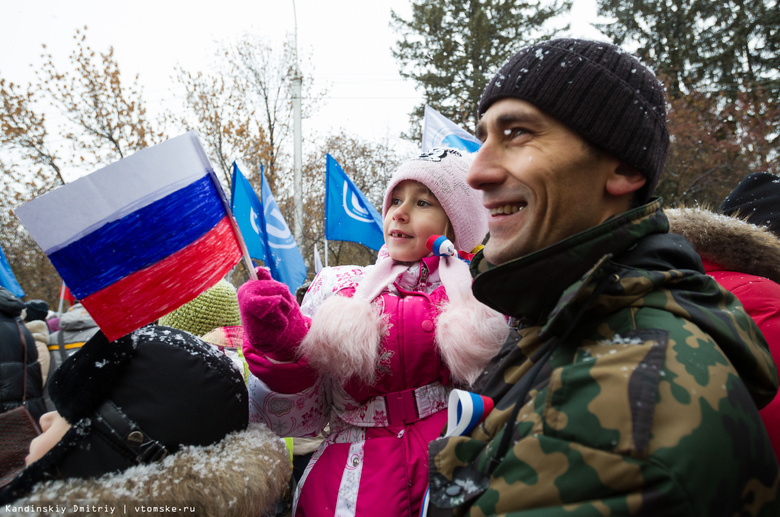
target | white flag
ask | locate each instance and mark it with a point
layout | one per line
(439, 131)
(317, 260)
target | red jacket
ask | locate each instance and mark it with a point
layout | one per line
(745, 260)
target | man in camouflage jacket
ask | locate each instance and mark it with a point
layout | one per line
(630, 382)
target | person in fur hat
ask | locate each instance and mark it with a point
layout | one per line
(155, 417)
(374, 351)
(744, 258)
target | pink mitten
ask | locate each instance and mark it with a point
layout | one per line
(272, 320)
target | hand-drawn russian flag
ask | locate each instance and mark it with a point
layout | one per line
(140, 237)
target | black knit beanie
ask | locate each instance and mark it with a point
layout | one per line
(756, 199)
(603, 93)
(37, 310)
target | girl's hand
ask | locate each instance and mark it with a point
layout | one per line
(272, 320)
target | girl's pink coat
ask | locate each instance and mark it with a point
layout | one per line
(365, 466)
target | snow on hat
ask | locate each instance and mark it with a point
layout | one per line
(600, 91)
(136, 400)
(213, 308)
(757, 200)
(443, 171)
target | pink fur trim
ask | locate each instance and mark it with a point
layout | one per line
(345, 338)
(346, 333)
(468, 333)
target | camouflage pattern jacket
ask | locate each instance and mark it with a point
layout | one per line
(631, 381)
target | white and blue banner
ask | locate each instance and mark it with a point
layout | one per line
(439, 131)
(349, 216)
(7, 278)
(267, 236)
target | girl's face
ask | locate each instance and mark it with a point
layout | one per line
(53, 428)
(413, 216)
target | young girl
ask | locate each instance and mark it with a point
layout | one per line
(373, 352)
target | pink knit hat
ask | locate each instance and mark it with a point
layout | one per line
(443, 171)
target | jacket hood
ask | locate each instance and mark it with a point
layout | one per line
(244, 474)
(10, 305)
(77, 318)
(39, 330)
(732, 243)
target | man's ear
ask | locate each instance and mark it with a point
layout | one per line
(624, 179)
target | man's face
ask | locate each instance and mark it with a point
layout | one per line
(540, 180)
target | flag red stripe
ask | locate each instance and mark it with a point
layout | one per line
(152, 292)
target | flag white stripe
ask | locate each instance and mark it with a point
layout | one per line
(114, 191)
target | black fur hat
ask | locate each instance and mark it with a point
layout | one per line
(135, 400)
(757, 200)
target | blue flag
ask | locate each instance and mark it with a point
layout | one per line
(7, 278)
(349, 216)
(248, 211)
(265, 232)
(439, 131)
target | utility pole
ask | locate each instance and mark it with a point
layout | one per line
(297, 137)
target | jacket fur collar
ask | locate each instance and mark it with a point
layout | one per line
(732, 243)
(245, 474)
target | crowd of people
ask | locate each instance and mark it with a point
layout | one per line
(628, 352)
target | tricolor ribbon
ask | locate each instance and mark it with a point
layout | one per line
(441, 246)
(465, 411)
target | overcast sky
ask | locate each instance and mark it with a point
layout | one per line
(350, 40)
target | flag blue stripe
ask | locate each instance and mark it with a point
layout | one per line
(461, 143)
(139, 239)
(477, 411)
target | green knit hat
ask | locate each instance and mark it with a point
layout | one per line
(214, 308)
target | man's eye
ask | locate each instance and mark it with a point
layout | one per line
(513, 132)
